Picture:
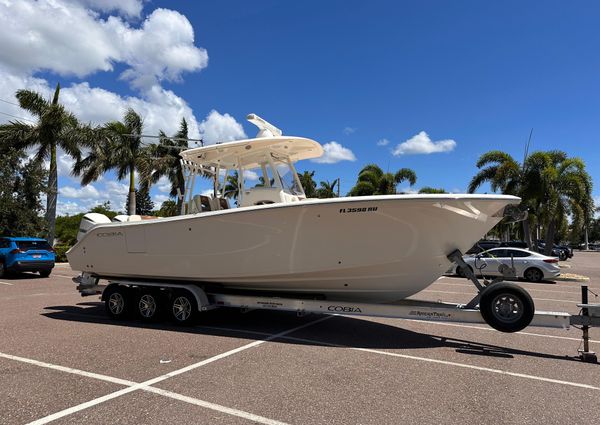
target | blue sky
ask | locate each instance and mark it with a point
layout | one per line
(479, 74)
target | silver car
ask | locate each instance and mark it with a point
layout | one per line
(528, 265)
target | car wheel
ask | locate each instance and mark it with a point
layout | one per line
(183, 307)
(148, 305)
(2, 269)
(562, 256)
(45, 273)
(506, 307)
(117, 301)
(533, 275)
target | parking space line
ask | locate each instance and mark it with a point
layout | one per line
(126, 383)
(63, 275)
(473, 294)
(449, 363)
(146, 384)
(519, 283)
(481, 328)
(6, 283)
(216, 407)
(69, 370)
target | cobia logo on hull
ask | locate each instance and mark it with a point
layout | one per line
(344, 309)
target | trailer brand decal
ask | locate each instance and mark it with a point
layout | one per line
(108, 234)
(357, 210)
(430, 314)
(342, 309)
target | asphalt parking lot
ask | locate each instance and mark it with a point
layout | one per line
(63, 360)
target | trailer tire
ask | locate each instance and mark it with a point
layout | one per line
(148, 305)
(506, 307)
(183, 307)
(117, 301)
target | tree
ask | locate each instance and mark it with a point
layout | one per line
(563, 188)
(168, 209)
(504, 173)
(308, 184)
(55, 128)
(373, 181)
(232, 188)
(20, 187)
(143, 203)
(163, 159)
(428, 189)
(327, 189)
(118, 148)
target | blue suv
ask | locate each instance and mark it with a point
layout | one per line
(26, 254)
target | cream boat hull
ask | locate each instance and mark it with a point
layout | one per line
(377, 248)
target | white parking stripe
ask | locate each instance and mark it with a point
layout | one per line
(212, 406)
(473, 294)
(170, 394)
(6, 283)
(449, 363)
(69, 370)
(144, 385)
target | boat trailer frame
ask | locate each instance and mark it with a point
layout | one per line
(207, 299)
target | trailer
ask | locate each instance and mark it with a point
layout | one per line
(503, 305)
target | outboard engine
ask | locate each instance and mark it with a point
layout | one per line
(90, 220)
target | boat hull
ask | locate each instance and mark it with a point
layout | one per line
(379, 248)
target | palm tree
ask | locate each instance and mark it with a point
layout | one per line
(373, 181)
(119, 148)
(428, 189)
(505, 174)
(163, 159)
(327, 189)
(563, 188)
(55, 128)
(232, 189)
(308, 184)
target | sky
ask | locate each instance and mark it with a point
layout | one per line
(428, 85)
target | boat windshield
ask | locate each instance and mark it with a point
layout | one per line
(288, 178)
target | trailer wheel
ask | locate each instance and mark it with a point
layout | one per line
(183, 307)
(148, 305)
(506, 307)
(116, 301)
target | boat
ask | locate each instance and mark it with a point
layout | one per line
(278, 241)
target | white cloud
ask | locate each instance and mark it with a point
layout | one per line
(422, 144)
(334, 152)
(159, 108)
(218, 127)
(250, 175)
(349, 130)
(159, 199)
(131, 8)
(67, 38)
(83, 193)
(163, 185)
(383, 142)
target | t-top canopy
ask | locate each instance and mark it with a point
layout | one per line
(250, 153)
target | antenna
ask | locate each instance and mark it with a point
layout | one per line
(527, 148)
(266, 129)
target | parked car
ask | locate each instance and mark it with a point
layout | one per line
(561, 253)
(26, 254)
(529, 265)
(483, 245)
(515, 244)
